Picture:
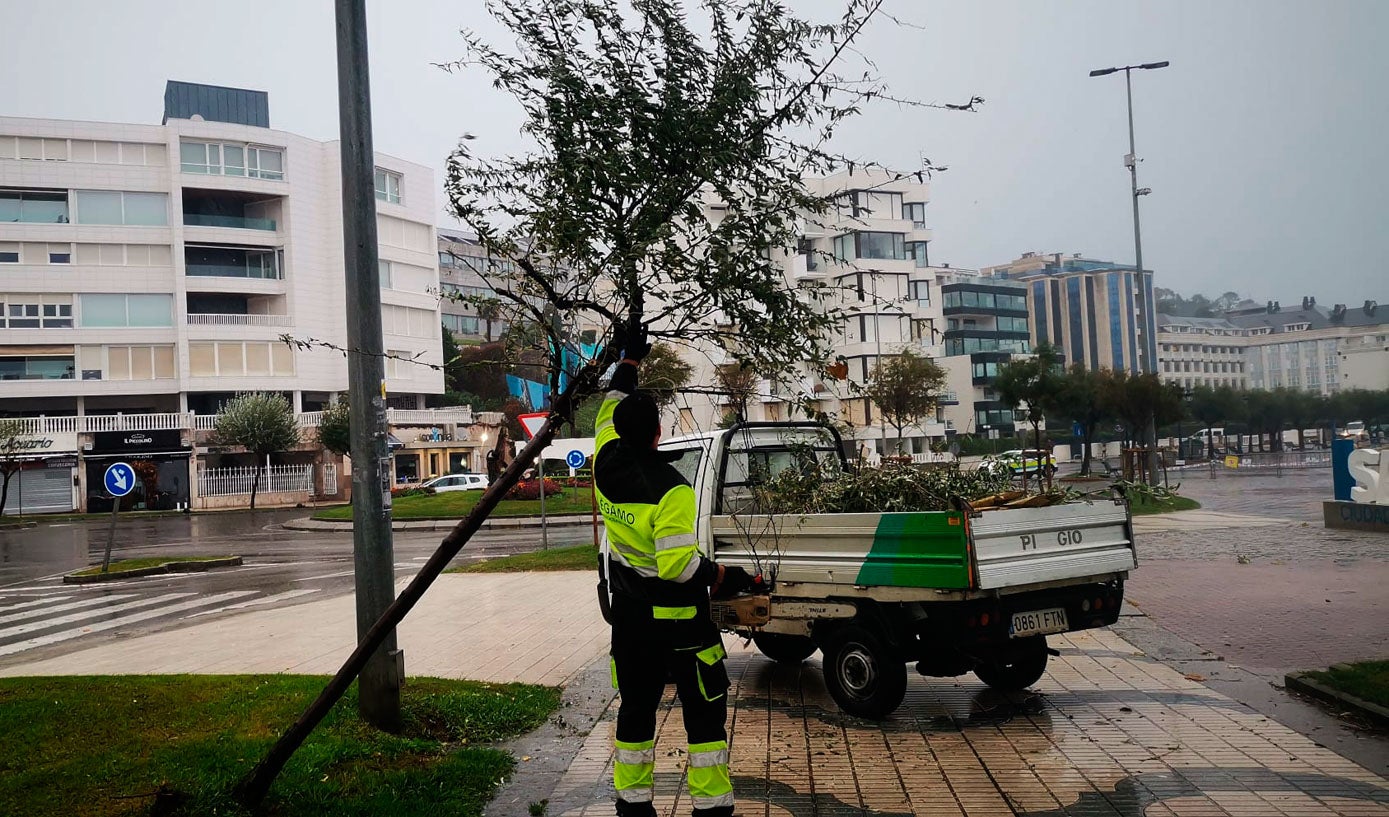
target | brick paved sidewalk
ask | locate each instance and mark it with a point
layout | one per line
(1107, 733)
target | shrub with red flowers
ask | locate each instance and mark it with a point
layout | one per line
(399, 493)
(577, 482)
(530, 489)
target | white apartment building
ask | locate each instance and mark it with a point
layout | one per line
(1265, 346)
(872, 247)
(154, 269)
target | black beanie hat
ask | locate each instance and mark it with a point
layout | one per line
(636, 419)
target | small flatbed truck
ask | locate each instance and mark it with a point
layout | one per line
(951, 592)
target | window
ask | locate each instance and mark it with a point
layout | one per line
(232, 159)
(9, 253)
(915, 212)
(36, 311)
(240, 359)
(122, 207)
(844, 248)
(880, 245)
(461, 324)
(383, 270)
(126, 310)
(37, 367)
(34, 206)
(1012, 325)
(139, 362)
(408, 322)
(387, 186)
(203, 260)
(60, 253)
(920, 291)
(916, 250)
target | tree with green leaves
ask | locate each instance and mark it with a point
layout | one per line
(335, 428)
(263, 423)
(1028, 385)
(453, 363)
(663, 180)
(663, 374)
(1079, 398)
(906, 389)
(12, 455)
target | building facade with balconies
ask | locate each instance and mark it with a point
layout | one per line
(157, 269)
(463, 269)
(986, 326)
(872, 249)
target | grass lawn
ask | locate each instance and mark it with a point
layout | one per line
(1366, 680)
(1176, 503)
(104, 745)
(456, 504)
(122, 565)
(580, 557)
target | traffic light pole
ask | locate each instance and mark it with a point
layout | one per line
(373, 554)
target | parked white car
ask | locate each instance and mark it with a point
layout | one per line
(457, 482)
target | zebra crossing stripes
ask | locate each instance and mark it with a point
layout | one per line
(111, 624)
(58, 608)
(72, 618)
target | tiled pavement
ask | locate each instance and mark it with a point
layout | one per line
(1108, 732)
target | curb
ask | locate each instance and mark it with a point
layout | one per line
(167, 567)
(1372, 712)
(18, 525)
(311, 524)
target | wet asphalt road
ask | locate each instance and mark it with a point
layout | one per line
(41, 617)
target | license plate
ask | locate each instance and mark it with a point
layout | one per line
(1037, 622)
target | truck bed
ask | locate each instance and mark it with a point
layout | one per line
(940, 550)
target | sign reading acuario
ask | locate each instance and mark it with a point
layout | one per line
(1370, 469)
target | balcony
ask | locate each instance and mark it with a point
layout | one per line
(208, 261)
(230, 209)
(213, 319)
(238, 222)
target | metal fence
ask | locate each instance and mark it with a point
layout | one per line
(330, 479)
(1269, 462)
(275, 479)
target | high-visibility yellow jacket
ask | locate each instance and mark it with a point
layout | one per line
(649, 515)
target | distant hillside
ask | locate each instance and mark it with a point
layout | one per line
(1171, 302)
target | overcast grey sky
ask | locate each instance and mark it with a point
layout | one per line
(1263, 142)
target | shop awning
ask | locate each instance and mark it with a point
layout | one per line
(393, 442)
(135, 455)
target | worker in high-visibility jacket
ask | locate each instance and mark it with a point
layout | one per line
(660, 586)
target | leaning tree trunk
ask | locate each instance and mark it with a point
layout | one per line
(252, 789)
(255, 486)
(1087, 434)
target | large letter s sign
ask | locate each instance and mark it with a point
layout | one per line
(1371, 485)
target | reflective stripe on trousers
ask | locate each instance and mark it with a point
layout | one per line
(710, 785)
(632, 770)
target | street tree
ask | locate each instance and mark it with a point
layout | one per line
(906, 389)
(1027, 386)
(1079, 397)
(261, 422)
(738, 383)
(664, 177)
(12, 454)
(335, 428)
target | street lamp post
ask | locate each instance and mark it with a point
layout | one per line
(1149, 322)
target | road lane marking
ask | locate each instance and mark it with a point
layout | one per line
(326, 576)
(66, 635)
(286, 596)
(72, 605)
(31, 603)
(20, 629)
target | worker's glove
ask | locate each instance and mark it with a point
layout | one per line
(735, 580)
(635, 343)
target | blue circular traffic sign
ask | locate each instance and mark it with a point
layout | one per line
(120, 479)
(575, 459)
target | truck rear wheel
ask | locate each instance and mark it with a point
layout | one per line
(862, 673)
(783, 648)
(1018, 671)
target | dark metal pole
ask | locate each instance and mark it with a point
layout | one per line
(373, 555)
(1149, 365)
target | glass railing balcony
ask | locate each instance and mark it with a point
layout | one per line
(232, 271)
(239, 222)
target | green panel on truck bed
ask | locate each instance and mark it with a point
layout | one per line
(926, 549)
